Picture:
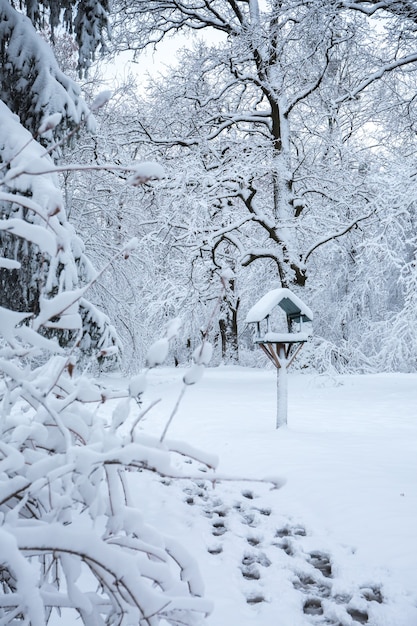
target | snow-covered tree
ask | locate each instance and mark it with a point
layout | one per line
(274, 64)
(39, 107)
(42, 258)
(107, 212)
(278, 125)
(31, 83)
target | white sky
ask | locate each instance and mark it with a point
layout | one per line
(151, 61)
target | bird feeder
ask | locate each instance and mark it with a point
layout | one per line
(280, 347)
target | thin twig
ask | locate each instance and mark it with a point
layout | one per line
(174, 411)
(204, 335)
(142, 415)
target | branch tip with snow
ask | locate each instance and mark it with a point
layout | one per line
(100, 100)
(144, 172)
(49, 123)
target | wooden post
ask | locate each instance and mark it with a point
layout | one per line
(282, 387)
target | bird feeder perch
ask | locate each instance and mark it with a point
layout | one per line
(280, 347)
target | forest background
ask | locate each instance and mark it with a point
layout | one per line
(288, 149)
(289, 154)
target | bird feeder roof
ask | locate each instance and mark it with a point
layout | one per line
(291, 304)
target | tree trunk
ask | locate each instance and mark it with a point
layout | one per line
(229, 336)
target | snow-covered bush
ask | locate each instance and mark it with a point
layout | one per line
(70, 537)
(71, 540)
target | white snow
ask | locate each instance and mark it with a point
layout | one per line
(137, 385)
(333, 543)
(203, 353)
(144, 171)
(194, 374)
(8, 322)
(350, 462)
(49, 123)
(264, 306)
(101, 99)
(37, 234)
(131, 245)
(227, 274)
(9, 264)
(158, 352)
(65, 304)
(173, 327)
(284, 337)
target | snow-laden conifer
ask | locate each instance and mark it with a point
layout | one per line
(35, 234)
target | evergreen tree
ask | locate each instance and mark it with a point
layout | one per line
(42, 257)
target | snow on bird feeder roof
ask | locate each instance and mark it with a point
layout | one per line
(291, 304)
(295, 310)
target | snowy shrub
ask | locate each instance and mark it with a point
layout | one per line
(70, 536)
(73, 544)
(396, 348)
(326, 357)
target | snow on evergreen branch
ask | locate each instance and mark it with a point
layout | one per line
(32, 85)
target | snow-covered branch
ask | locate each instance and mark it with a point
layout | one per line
(338, 234)
(373, 77)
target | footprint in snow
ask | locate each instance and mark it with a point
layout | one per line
(215, 549)
(247, 493)
(255, 598)
(313, 606)
(253, 541)
(219, 528)
(321, 562)
(291, 531)
(285, 545)
(309, 586)
(359, 617)
(315, 585)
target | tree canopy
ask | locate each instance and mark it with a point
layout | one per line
(278, 135)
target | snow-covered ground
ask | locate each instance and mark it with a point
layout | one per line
(337, 544)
